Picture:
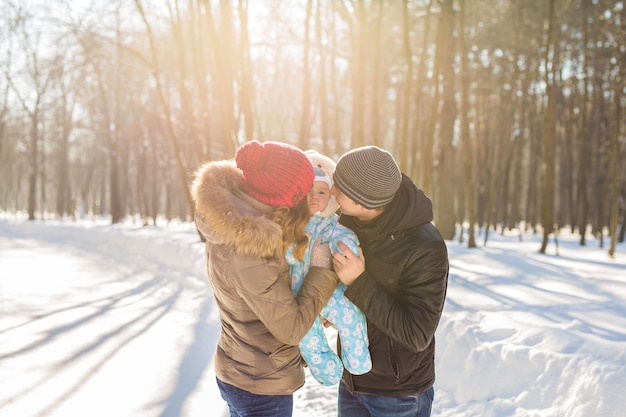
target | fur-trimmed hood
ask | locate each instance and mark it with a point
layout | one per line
(225, 214)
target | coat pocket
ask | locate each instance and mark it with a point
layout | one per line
(284, 357)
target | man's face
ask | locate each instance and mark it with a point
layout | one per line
(346, 204)
(352, 208)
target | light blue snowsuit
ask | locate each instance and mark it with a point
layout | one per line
(324, 364)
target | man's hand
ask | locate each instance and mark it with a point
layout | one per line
(348, 266)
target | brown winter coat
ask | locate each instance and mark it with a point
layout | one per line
(262, 322)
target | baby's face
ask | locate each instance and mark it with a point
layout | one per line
(318, 197)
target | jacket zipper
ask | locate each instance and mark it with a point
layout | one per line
(394, 366)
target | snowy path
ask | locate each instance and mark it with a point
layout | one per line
(108, 330)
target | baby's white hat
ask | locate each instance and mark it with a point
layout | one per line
(324, 168)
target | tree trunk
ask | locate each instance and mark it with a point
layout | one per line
(583, 153)
(547, 166)
(445, 215)
(376, 134)
(405, 117)
(305, 103)
(34, 162)
(63, 197)
(323, 88)
(200, 70)
(614, 154)
(467, 144)
(358, 65)
(419, 152)
(614, 170)
(246, 95)
(428, 150)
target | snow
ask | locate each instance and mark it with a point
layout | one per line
(119, 320)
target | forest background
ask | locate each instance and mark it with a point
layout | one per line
(507, 113)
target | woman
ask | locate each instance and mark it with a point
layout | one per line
(250, 211)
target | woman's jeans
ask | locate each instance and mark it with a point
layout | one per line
(368, 405)
(245, 404)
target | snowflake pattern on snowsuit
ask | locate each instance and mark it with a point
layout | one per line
(324, 364)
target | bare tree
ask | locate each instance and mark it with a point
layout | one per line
(358, 64)
(305, 103)
(37, 75)
(183, 169)
(583, 154)
(467, 144)
(445, 151)
(547, 150)
(619, 84)
(247, 92)
(406, 118)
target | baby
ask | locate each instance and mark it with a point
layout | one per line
(324, 364)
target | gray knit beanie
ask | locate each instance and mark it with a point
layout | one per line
(368, 175)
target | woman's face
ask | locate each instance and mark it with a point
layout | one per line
(318, 197)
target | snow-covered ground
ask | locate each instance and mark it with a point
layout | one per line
(99, 320)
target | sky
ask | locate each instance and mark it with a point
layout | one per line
(99, 320)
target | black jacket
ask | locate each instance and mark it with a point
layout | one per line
(401, 292)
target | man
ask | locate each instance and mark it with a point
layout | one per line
(399, 282)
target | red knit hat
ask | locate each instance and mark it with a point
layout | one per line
(274, 173)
